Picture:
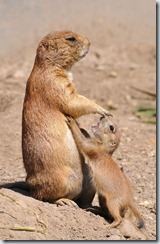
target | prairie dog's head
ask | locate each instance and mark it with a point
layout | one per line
(62, 48)
(107, 131)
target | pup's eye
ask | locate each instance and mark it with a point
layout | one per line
(71, 39)
(111, 127)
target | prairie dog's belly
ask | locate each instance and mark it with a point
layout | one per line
(68, 160)
(76, 175)
(69, 141)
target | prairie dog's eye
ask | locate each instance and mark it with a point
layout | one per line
(112, 129)
(51, 47)
(71, 39)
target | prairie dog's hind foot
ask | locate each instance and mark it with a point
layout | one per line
(115, 223)
(66, 201)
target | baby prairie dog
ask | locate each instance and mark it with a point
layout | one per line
(54, 166)
(110, 135)
(111, 184)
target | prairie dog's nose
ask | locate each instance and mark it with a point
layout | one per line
(84, 41)
(87, 42)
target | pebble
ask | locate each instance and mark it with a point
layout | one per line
(11, 236)
(18, 74)
(114, 237)
(111, 105)
(113, 74)
(152, 153)
(145, 203)
(128, 97)
(133, 67)
(128, 230)
(124, 129)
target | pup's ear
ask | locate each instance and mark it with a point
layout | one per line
(102, 121)
(102, 117)
(97, 132)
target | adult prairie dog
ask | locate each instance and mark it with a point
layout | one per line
(54, 167)
(111, 184)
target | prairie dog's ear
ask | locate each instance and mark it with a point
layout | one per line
(48, 45)
(102, 117)
(40, 51)
(51, 45)
(41, 48)
(97, 132)
(102, 121)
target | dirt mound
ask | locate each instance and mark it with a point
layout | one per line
(29, 219)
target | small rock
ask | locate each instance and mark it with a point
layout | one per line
(152, 153)
(124, 129)
(114, 237)
(113, 74)
(110, 105)
(128, 139)
(101, 68)
(145, 203)
(11, 235)
(97, 55)
(18, 74)
(133, 67)
(128, 230)
(132, 118)
(95, 228)
(128, 97)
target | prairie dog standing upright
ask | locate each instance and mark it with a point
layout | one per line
(111, 184)
(54, 166)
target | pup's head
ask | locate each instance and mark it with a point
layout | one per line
(108, 133)
(63, 48)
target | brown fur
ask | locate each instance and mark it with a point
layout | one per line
(111, 184)
(53, 164)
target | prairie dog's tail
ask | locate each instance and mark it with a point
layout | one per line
(137, 214)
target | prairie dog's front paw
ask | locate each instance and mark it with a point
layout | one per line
(70, 120)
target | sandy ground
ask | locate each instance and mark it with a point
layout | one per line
(122, 57)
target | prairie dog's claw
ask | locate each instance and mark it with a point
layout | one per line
(103, 114)
(66, 202)
(68, 116)
(71, 121)
(109, 114)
